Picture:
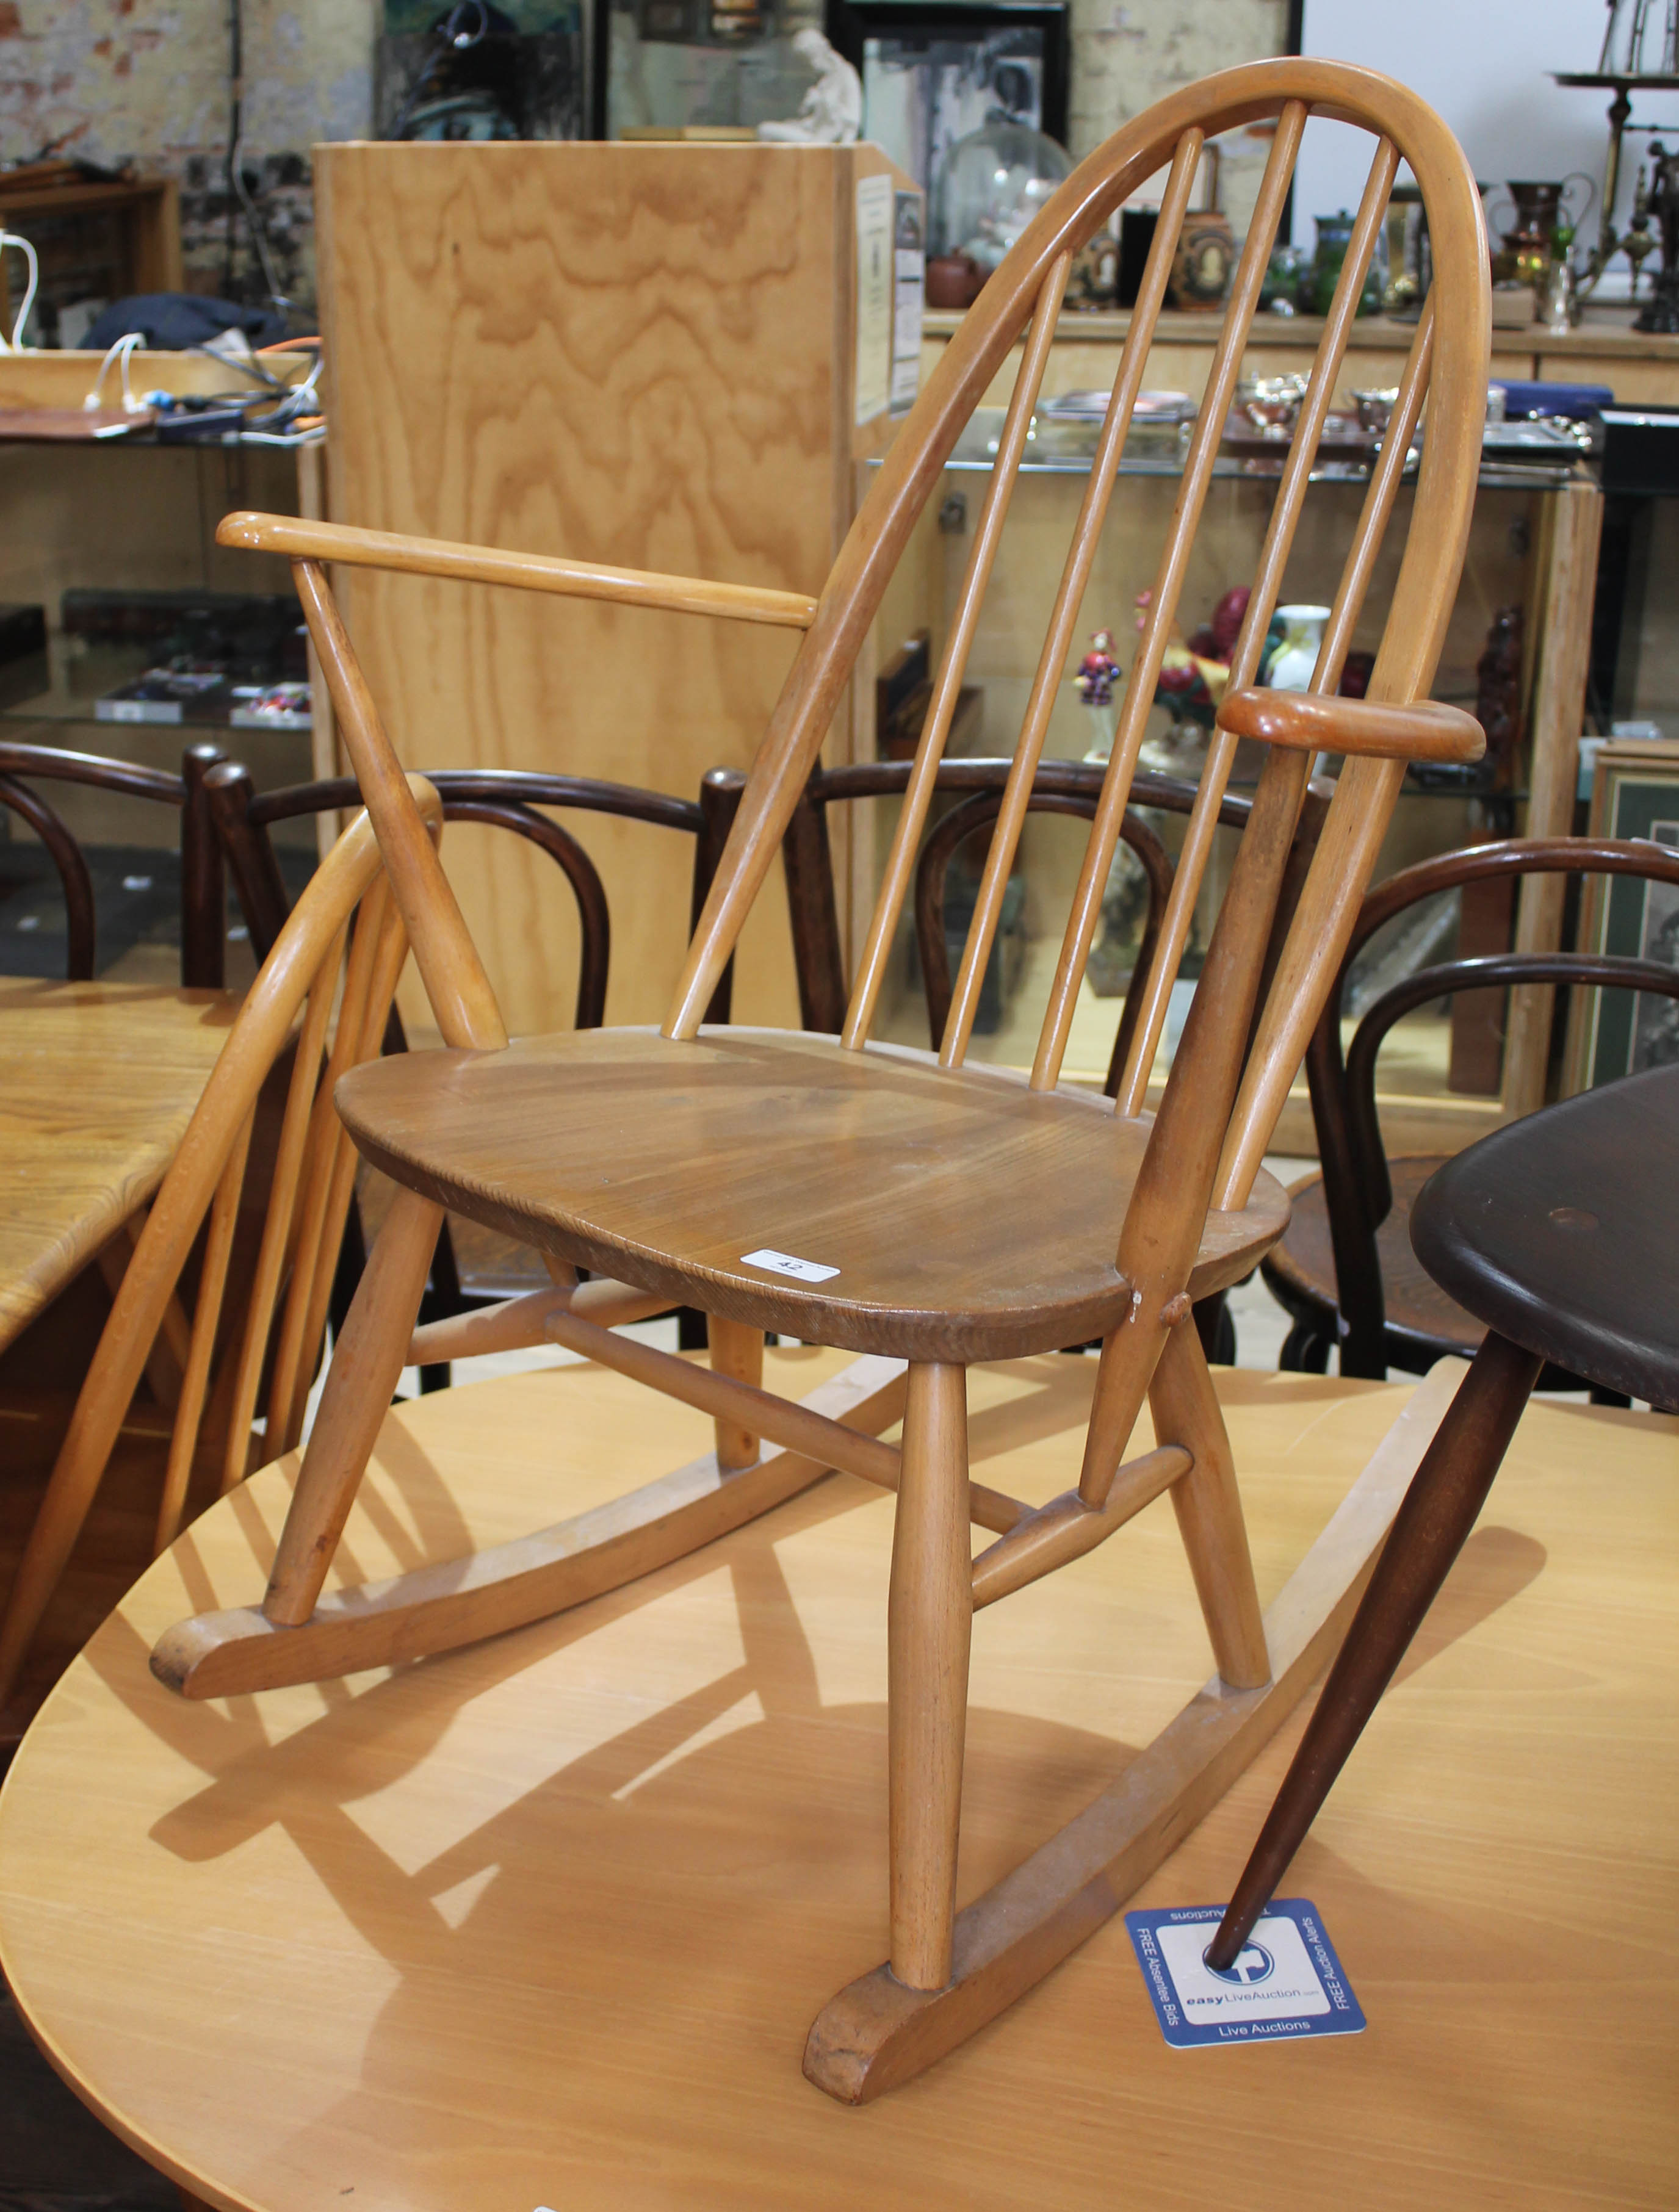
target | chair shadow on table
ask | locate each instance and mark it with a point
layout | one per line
(721, 1856)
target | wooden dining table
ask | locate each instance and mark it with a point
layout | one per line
(98, 1082)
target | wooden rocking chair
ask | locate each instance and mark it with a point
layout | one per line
(921, 1212)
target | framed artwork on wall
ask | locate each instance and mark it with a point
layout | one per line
(1635, 793)
(518, 70)
(934, 71)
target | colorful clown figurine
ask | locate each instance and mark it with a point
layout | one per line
(1098, 671)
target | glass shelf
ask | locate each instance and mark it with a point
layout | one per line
(1057, 447)
(1428, 818)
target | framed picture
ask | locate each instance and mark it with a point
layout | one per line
(517, 70)
(933, 71)
(1635, 793)
(691, 68)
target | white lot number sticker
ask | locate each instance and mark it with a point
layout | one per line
(784, 1263)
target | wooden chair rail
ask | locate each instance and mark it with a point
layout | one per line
(979, 772)
(1067, 1528)
(519, 1324)
(1425, 730)
(507, 785)
(784, 1421)
(1502, 856)
(94, 768)
(349, 548)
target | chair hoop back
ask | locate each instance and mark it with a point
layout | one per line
(1238, 1092)
(1447, 366)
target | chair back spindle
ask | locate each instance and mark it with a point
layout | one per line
(1069, 599)
(456, 984)
(953, 665)
(1263, 600)
(1450, 363)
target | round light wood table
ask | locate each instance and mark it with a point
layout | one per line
(543, 1923)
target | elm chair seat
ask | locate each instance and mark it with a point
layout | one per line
(1561, 1235)
(753, 1141)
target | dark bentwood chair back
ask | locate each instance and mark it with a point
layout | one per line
(202, 885)
(1059, 786)
(503, 798)
(1401, 1321)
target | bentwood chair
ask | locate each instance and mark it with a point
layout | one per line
(921, 1212)
(194, 1434)
(472, 1266)
(1559, 1235)
(979, 786)
(203, 925)
(1345, 1271)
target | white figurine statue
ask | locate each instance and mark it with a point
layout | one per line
(831, 111)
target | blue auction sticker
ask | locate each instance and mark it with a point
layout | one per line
(1284, 1982)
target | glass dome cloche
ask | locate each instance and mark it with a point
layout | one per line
(991, 185)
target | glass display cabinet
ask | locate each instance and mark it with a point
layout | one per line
(1515, 653)
(127, 632)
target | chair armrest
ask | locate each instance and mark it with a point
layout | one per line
(531, 572)
(1315, 721)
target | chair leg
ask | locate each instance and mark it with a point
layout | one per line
(1209, 1508)
(1438, 1512)
(737, 1349)
(366, 1360)
(1305, 1351)
(930, 1625)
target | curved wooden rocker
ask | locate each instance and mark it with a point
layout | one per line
(908, 1207)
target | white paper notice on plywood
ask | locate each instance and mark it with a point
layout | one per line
(874, 297)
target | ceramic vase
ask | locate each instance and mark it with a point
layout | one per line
(1297, 656)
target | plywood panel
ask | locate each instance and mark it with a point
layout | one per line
(617, 352)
